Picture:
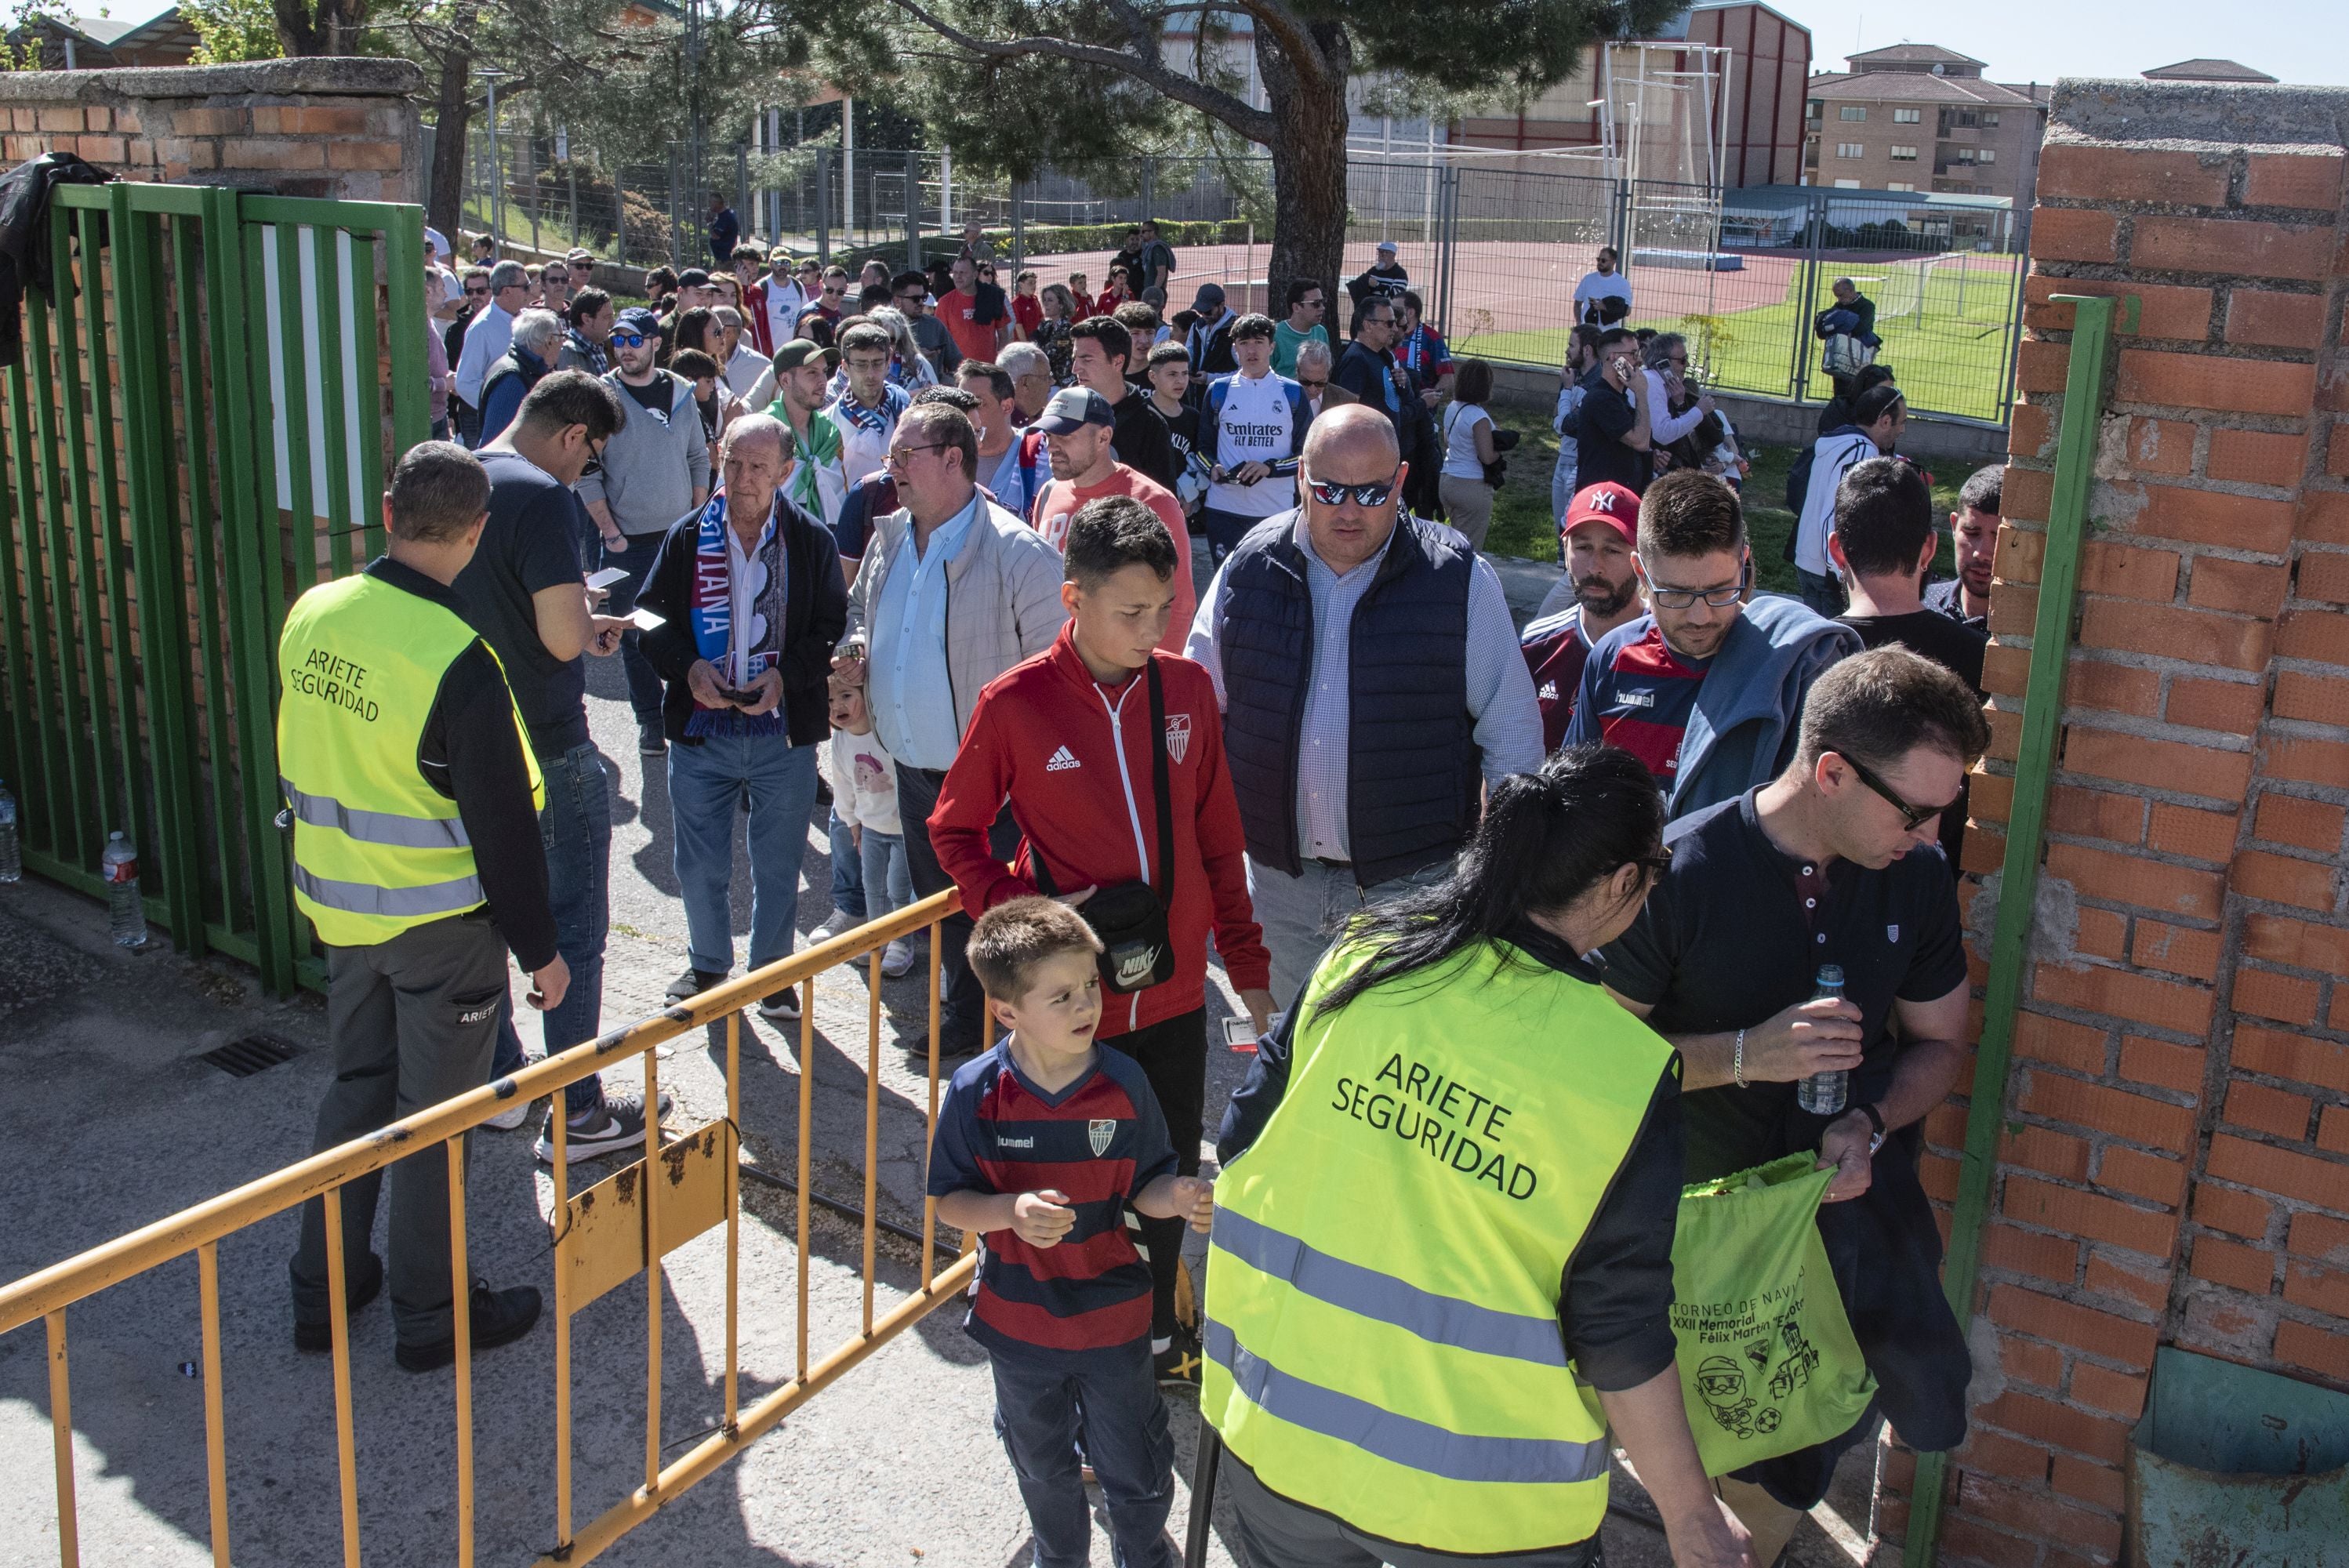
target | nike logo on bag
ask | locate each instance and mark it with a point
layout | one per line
(1063, 760)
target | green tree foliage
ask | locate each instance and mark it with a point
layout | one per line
(232, 30)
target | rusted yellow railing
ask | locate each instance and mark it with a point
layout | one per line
(601, 1256)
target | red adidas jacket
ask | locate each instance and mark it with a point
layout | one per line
(1073, 758)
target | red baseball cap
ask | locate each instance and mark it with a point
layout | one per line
(1610, 503)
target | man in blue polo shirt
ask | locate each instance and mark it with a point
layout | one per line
(1706, 687)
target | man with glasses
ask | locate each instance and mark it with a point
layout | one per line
(1314, 366)
(524, 592)
(653, 472)
(1831, 861)
(1308, 303)
(1706, 689)
(910, 293)
(487, 337)
(1614, 423)
(829, 304)
(951, 591)
(472, 298)
(1368, 371)
(1371, 687)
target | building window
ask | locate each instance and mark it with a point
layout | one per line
(1990, 119)
(1953, 118)
(1968, 154)
(1986, 155)
(1851, 150)
(1905, 116)
(1847, 184)
(1851, 111)
(1900, 185)
(1903, 154)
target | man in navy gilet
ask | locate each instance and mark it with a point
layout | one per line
(1371, 685)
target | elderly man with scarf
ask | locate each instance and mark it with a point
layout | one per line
(751, 601)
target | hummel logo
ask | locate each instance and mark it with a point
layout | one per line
(1061, 762)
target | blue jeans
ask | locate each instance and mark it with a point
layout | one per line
(1823, 595)
(888, 877)
(644, 685)
(704, 783)
(847, 872)
(576, 826)
(1040, 1400)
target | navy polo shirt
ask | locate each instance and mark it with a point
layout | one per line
(1734, 934)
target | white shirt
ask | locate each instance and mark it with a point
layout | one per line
(746, 578)
(1664, 429)
(1254, 425)
(864, 782)
(1460, 458)
(743, 370)
(785, 300)
(1598, 287)
(487, 336)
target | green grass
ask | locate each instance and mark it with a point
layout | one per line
(1522, 524)
(1948, 362)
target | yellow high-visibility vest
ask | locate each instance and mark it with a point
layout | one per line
(377, 851)
(1383, 1333)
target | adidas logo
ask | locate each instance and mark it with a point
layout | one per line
(1548, 692)
(1063, 760)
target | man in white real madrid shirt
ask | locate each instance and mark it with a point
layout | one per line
(1253, 427)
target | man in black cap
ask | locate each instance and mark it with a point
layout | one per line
(1210, 338)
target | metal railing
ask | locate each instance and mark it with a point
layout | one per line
(635, 1224)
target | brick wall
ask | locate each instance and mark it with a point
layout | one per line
(2176, 1167)
(335, 127)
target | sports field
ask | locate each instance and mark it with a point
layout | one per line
(1947, 321)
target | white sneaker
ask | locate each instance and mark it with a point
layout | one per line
(837, 922)
(511, 1116)
(896, 959)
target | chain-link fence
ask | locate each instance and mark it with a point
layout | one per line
(1495, 247)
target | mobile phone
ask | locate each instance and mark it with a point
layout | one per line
(644, 620)
(739, 698)
(1240, 1034)
(609, 575)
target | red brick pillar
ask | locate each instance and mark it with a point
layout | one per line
(2174, 1170)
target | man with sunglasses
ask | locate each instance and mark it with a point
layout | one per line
(1371, 687)
(656, 471)
(1832, 861)
(1309, 302)
(1706, 687)
(487, 336)
(472, 298)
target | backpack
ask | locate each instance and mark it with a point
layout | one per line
(1846, 356)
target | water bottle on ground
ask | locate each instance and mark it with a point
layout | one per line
(12, 855)
(1822, 1094)
(127, 912)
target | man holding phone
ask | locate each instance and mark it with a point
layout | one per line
(1614, 444)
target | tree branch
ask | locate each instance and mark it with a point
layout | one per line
(1253, 123)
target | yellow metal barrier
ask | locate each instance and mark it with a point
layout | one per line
(603, 1236)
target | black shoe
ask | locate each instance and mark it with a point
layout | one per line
(499, 1317)
(692, 984)
(361, 1289)
(781, 1006)
(650, 742)
(917, 1053)
(1177, 1365)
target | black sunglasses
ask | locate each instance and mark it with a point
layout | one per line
(1365, 495)
(1912, 817)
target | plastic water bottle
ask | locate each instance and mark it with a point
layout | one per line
(1822, 1094)
(127, 912)
(12, 856)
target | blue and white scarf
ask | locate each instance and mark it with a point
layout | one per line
(711, 615)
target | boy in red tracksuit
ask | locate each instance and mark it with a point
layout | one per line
(1067, 738)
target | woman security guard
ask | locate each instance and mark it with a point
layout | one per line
(1443, 1244)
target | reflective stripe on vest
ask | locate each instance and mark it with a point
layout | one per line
(1383, 1340)
(1404, 1439)
(376, 827)
(428, 901)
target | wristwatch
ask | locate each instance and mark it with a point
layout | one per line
(1876, 1120)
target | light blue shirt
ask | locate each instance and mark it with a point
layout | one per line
(487, 336)
(906, 683)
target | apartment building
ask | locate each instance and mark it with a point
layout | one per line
(1916, 117)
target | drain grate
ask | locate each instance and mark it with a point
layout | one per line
(250, 1053)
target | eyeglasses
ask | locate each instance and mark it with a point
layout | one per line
(1362, 495)
(836, 290)
(472, 292)
(1312, 303)
(595, 455)
(627, 340)
(896, 456)
(1313, 386)
(1681, 598)
(1912, 817)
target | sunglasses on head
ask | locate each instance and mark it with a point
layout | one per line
(1912, 817)
(627, 340)
(1362, 495)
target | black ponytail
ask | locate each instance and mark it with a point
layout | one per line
(1547, 839)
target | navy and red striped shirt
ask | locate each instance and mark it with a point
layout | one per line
(1641, 700)
(1100, 1141)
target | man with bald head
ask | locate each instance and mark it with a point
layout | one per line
(751, 601)
(1371, 687)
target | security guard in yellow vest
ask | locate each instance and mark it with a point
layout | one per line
(414, 798)
(1441, 1268)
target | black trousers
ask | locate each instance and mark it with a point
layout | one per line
(1280, 1533)
(1172, 1055)
(961, 1000)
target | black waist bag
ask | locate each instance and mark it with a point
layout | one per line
(1137, 951)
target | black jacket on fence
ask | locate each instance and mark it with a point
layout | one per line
(24, 235)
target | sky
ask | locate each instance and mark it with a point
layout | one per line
(2299, 41)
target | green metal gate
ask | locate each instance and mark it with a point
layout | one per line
(198, 431)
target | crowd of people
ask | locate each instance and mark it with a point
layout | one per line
(1560, 896)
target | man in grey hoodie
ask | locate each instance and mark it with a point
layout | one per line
(654, 471)
(1707, 687)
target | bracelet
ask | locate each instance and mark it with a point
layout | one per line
(1737, 1059)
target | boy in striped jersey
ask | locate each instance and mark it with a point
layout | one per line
(1041, 1144)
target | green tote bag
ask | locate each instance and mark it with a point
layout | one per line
(1767, 1361)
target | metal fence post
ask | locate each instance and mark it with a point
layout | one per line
(742, 177)
(619, 218)
(1806, 274)
(1018, 228)
(913, 210)
(676, 226)
(824, 206)
(1447, 242)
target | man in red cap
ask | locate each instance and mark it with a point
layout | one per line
(1599, 591)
